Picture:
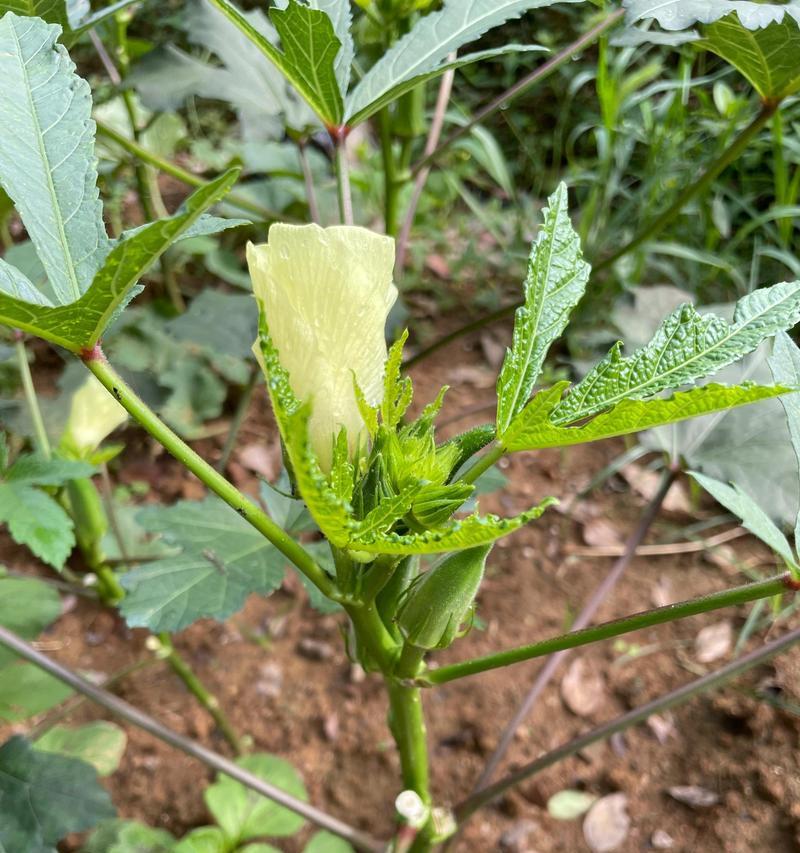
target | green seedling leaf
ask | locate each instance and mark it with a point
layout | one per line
(26, 690)
(47, 126)
(44, 797)
(222, 561)
(243, 814)
(785, 366)
(423, 51)
(207, 839)
(324, 842)
(27, 607)
(79, 325)
(127, 836)
(686, 347)
(753, 517)
(556, 280)
(310, 47)
(533, 428)
(100, 744)
(680, 14)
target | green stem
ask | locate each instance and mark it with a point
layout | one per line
(486, 795)
(407, 723)
(196, 687)
(42, 441)
(606, 630)
(185, 176)
(373, 634)
(713, 170)
(391, 211)
(238, 418)
(96, 362)
(343, 179)
(493, 455)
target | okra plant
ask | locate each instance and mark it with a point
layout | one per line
(402, 557)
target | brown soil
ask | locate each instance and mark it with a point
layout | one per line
(330, 722)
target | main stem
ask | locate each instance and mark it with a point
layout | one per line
(96, 362)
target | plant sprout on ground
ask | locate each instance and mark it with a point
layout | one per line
(404, 557)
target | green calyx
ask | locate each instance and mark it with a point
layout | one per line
(442, 599)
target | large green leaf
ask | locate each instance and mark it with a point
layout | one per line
(533, 429)
(243, 813)
(424, 50)
(52, 11)
(310, 47)
(223, 560)
(80, 324)
(680, 14)
(25, 691)
(686, 347)
(44, 797)
(753, 517)
(768, 57)
(27, 607)
(101, 744)
(36, 520)
(47, 162)
(785, 366)
(556, 280)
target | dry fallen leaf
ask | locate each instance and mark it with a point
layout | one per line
(261, 459)
(599, 532)
(662, 726)
(646, 483)
(438, 266)
(607, 824)
(662, 593)
(582, 688)
(478, 377)
(713, 642)
(494, 350)
(662, 840)
(694, 796)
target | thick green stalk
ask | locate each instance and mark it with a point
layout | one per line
(185, 176)
(615, 628)
(708, 682)
(407, 722)
(196, 687)
(343, 178)
(42, 441)
(124, 394)
(493, 455)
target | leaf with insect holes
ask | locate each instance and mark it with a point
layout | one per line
(785, 366)
(422, 53)
(686, 347)
(556, 280)
(310, 48)
(47, 163)
(753, 517)
(222, 561)
(45, 797)
(80, 324)
(533, 428)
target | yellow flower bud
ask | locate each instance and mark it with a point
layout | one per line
(326, 294)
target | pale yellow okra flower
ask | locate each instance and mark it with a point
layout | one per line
(94, 414)
(326, 294)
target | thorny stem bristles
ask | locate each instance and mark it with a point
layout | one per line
(42, 441)
(138, 718)
(708, 682)
(96, 362)
(606, 630)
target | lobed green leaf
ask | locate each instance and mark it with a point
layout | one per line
(556, 280)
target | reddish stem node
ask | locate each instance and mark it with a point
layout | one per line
(340, 133)
(792, 583)
(94, 353)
